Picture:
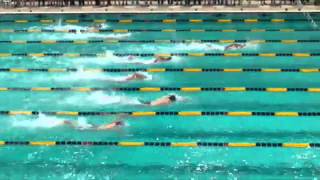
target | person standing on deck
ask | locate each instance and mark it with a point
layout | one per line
(41, 3)
(81, 2)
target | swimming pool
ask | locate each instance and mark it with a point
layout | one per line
(246, 113)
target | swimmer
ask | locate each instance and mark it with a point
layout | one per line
(234, 46)
(160, 59)
(116, 124)
(110, 126)
(95, 28)
(166, 100)
(135, 76)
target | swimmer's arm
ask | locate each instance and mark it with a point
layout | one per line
(70, 123)
(104, 127)
(112, 125)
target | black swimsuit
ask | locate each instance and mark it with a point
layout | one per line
(145, 102)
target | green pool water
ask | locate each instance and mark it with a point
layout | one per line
(111, 162)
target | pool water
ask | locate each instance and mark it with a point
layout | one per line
(73, 37)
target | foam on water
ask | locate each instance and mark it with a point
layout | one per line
(78, 34)
(193, 46)
(181, 98)
(199, 47)
(44, 121)
(83, 75)
(124, 78)
(252, 46)
(106, 58)
(86, 36)
(101, 98)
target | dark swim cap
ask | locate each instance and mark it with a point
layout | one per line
(172, 98)
(119, 123)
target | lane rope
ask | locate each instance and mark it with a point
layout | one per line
(158, 89)
(74, 55)
(151, 30)
(162, 70)
(165, 21)
(172, 113)
(164, 144)
(48, 42)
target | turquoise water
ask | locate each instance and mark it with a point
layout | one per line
(103, 162)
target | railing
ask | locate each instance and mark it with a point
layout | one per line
(65, 3)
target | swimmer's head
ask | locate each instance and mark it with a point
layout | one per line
(165, 58)
(98, 26)
(139, 76)
(119, 123)
(172, 98)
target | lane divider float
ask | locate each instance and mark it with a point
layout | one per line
(48, 42)
(150, 30)
(164, 144)
(170, 113)
(158, 89)
(165, 21)
(74, 55)
(162, 70)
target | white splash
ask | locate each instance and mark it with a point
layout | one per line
(101, 76)
(198, 46)
(42, 121)
(81, 36)
(78, 34)
(76, 76)
(124, 78)
(193, 46)
(253, 46)
(82, 123)
(101, 98)
(180, 98)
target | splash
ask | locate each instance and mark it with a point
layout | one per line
(198, 47)
(78, 34)
(81, 36)
(180, 98)
(108, 57)
(105, 58)
(193, 46)
(124, 78)
(252, 46)
(85, 75)
(82, 124)
(42, 121)
(101, 98)
(81, 76)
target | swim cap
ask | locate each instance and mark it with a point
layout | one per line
(172, 98)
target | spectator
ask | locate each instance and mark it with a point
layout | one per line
(66, 2)
(41, 2)
(81, 2)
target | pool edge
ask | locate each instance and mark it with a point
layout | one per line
(153, 9)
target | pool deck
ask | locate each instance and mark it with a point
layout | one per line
(156, 9)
